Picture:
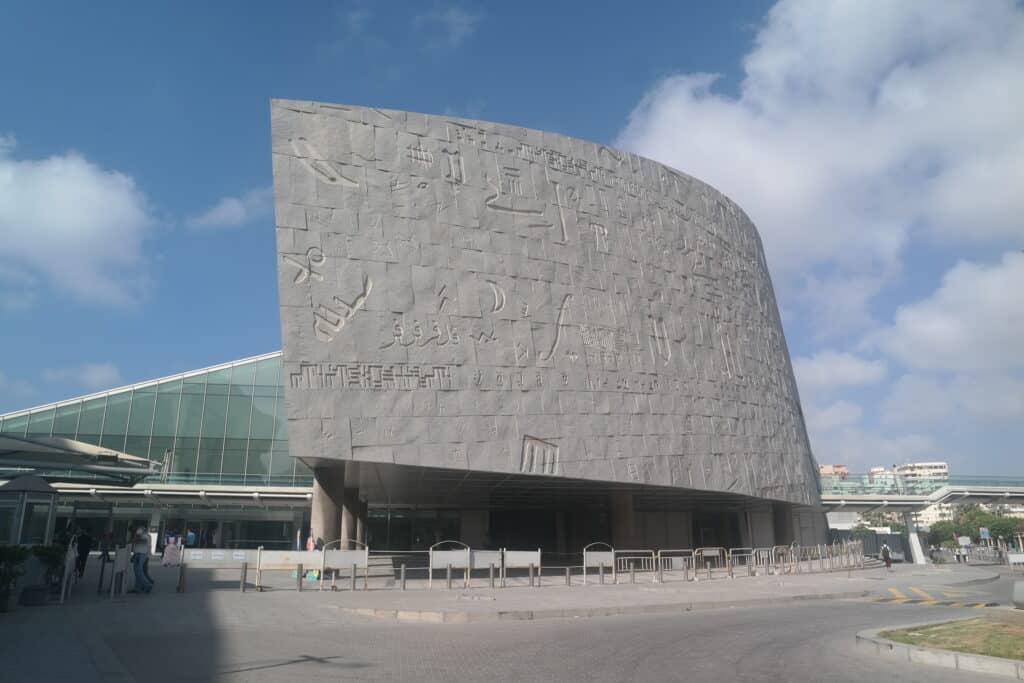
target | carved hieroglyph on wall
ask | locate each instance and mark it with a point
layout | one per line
(537, 304)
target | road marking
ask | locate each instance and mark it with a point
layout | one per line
(920, 592)
(950, 594)
(933, 603)
(897, 593)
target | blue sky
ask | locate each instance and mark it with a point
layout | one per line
(878, 146)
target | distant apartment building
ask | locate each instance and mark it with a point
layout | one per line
(936, 470)
(924, 470)
(839, 471)
(933, 513)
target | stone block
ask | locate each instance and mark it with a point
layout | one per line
(460, 283)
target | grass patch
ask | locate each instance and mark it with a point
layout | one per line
(981, 636)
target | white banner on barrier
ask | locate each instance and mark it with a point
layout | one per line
(483, 559)
(596, 559)
(211, 558)
(522, 558)
(1015, 558)
(458, 559)
(309, 559)
(344, 559)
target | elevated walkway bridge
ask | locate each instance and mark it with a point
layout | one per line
(894, 493)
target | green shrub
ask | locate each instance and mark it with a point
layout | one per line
(12, 557)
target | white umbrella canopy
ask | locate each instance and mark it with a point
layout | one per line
(54, 457)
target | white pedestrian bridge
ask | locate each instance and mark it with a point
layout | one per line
(895, 493)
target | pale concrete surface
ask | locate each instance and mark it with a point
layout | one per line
(282, 635)
(476, 296)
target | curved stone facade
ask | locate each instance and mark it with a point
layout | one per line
(470, 295)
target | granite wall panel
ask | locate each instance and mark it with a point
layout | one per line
(466, 294)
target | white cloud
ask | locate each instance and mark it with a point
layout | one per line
(91, 376)
(974, 321)
(828, 369)
(931, 400)
(78, 226)
(231, 212)
(856, 125)
(446, 27)
(917, 399)
(837, 414)
(837, 436)
(860, 449)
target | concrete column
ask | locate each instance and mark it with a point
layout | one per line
(362, 517)
(349, 514)
(328, 494)
(623, 519)
(916, 551)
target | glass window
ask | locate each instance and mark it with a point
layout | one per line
(65, 422)
(303, 474)
(237, 430)
(282, 465)
(280, 420)
(91, 421)
(190, 422)
(140, 425)
(268, 372)
(33, 526)
(257, 463)
(165, 419)
(115, 424)
(215, 409)
(7, 513)
(41, 423)
(261, 429)
(15, 425)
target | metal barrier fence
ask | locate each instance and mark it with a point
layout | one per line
(458, 563)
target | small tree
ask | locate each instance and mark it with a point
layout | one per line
(941, 533)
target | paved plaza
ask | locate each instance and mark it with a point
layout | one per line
(799, 628)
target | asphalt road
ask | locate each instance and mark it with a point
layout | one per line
(808, 642)
(222, 636)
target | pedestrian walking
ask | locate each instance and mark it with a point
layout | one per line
(887, 556)
(140, 553)
(84, 546)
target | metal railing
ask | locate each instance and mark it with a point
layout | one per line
(888, 483)
(465, 568)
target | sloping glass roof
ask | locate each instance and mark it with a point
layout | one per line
(224, 424)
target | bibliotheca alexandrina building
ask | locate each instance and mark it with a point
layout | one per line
(489, 333)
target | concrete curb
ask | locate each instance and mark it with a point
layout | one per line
(870, 641)
(974, 582)
(465, 617)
